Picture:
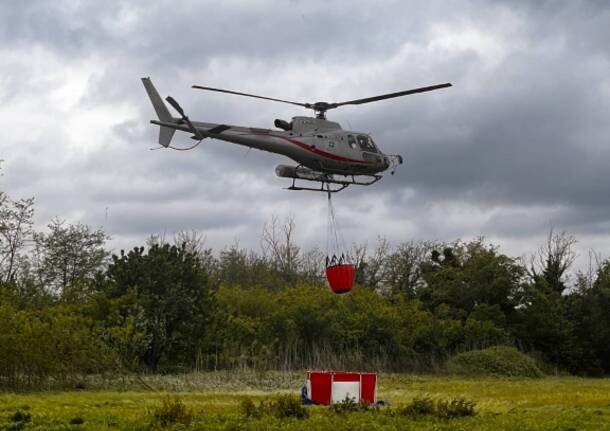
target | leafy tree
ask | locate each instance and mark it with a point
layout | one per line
(402, 269)
(468, 276)
(67, 254)
(169, 298)
(588, 308)
(545, 325)
(598, 315)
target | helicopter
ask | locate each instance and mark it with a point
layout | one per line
(324, 152)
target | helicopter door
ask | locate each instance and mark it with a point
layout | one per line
(352, 147)
(351, 143)
(323, 143)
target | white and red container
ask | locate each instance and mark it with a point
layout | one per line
(326, 387)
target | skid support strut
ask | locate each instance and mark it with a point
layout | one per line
(330, 183)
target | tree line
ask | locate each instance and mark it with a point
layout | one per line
(69, 308)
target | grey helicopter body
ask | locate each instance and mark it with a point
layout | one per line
(325, 153)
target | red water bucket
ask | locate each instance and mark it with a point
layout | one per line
(341, 277)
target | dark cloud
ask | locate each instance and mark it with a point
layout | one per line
(517, 145)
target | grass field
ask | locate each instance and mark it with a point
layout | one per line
(565, 403)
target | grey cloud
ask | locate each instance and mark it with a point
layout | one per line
(519, 143)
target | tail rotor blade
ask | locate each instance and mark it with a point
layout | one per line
(178, 108)
(175, 105)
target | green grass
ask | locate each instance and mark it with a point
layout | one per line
(214, 400)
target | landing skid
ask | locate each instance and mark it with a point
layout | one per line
(330, 184)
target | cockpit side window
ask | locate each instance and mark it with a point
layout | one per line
(351, 141)
(366, 143)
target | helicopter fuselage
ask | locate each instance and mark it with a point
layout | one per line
(326, 154)
(316, 143)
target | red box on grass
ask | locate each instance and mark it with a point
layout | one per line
(326, 387)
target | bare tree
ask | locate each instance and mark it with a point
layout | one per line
(370, 268)
(358, 253)
(311, 264)
(278, 244)
(16, 220)
(194, 242)
(585, 279)
(553, 259)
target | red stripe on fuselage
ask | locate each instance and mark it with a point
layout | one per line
(319, 152)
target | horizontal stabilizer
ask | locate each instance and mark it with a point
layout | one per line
(219, 129)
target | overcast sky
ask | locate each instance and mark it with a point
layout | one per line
(520, 143)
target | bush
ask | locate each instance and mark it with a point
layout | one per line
(20, 416)
(417, 407)
(281, 407)
(19, 419)
(349, 405)
(494, 361)
(51, 345)
(456, 408)
(442, 409)
(248, 409)
(171, 411)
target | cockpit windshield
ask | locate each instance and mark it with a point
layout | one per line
(366, 143)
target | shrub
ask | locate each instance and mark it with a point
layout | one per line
(494, 361)
(349, 405)
(442, 409)
(281, 407)
(456, 408)
(20, 416)
(54, 344)
(248, 409)
(77, 421)
(171, 411)
(19, 419)
(417, 407)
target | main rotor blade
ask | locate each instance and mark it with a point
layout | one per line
(390, 95)
(220, 90)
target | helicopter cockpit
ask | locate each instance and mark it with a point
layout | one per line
(366, 143)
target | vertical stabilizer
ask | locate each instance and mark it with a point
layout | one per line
(158, 104)
(165, 133)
